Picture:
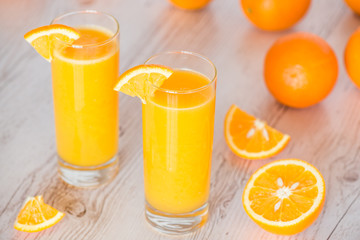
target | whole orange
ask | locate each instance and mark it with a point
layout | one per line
(300, 69)
(190, 4)
(354, 5)
(352, 57)
(274, 15)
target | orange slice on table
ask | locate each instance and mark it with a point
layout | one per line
(40, 38)
(35, 215)
(133, 82)
(285, 196)
(251, 138)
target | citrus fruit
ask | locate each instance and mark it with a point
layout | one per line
(190, 4)
(35, 215)
(251, 138)
(300, 69)
(274, 15)
(285, 196)
(134, 81)
(354, 5)
(352, 57)
(41, 38)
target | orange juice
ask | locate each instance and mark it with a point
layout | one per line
(86, 107)
(178, 133)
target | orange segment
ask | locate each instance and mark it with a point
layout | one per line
(35, 215)
(134, 82)
(252, 138)
(285, 196)
(41, 38)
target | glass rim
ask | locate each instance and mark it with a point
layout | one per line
(88, 12)
(193, 90)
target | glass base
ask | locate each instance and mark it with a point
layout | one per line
(88, 177)
(176, 224)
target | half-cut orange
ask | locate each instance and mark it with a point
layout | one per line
(40, 38)
(35, 215)
(134, 81)
(251, 138)
(285, 196)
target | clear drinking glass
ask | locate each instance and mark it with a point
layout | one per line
(178, 126)
(85, 104)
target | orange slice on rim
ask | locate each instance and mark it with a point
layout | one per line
(133, 82)
(251, 138)
(285, 196)
(41, 38)
(35, 215)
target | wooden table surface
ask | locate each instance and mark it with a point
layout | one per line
(326, 135)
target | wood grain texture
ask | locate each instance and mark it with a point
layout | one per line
(327, 135)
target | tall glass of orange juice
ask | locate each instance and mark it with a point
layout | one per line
(178, 126)
(85, 105)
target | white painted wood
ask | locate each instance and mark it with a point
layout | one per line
(327, 135)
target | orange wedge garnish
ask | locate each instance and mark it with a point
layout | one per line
(251, 138)
(35, 215)
(41, 38)
(134, 81)
(285, 196)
